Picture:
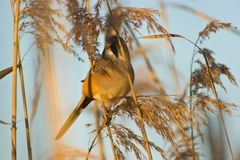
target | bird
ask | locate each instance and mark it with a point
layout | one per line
(108, 80)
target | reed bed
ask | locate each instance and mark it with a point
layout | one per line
(76, 28)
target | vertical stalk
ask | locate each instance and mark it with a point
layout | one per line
(192, 107)
(101, 146)
(112, 143)
(14, 82)
(88, 5)
(144, 133)
(148, 63)
(109, 130)
(216, 96)
(25, 107)
(143, 130)
(97, 113)
(219, 105)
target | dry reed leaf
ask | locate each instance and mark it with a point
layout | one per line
(170, 35)
(5, 123)
(6, 71)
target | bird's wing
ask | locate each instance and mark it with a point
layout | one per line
(84, 101)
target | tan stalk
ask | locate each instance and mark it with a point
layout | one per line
(109, 130)
(144, 133)
(129, 78)
(191, 95)
(25, 107)
(93, 143)
(14, 82)
(101, 146)
(211, 81)
(192, 108)
(148, 63)
(219, 105)
(214, 92)
(143, 130)
(96, 110)
(98, 131)
(216, 96)
(8, 70)
(88, 5)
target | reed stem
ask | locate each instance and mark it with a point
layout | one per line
(14, 81)
(25, 107)
(101, 146)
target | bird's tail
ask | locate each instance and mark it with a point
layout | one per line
(84, 101)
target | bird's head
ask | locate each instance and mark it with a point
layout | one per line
(116, 47)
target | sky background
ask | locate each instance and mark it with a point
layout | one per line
(69, 72)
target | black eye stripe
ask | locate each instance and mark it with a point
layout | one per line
(114, 49)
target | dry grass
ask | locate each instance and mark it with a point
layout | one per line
(177, 119)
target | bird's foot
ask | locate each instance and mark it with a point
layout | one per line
(107, 120)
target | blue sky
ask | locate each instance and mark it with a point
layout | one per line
(69, 72)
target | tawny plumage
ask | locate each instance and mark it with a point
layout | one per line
(107, 81)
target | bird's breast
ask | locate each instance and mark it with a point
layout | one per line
(108, 81)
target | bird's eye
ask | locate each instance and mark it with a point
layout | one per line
(114, 49)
